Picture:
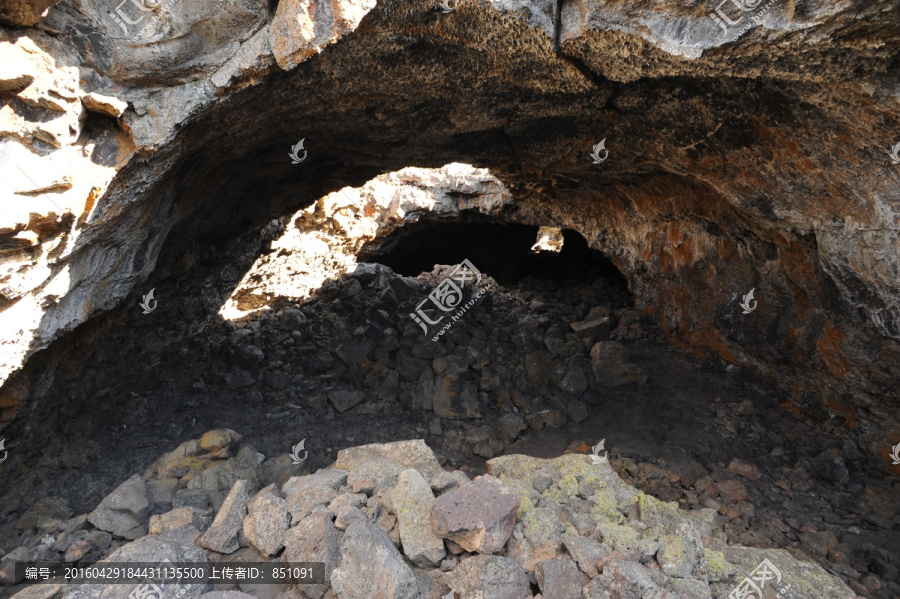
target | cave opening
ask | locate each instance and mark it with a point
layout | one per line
(505, 251)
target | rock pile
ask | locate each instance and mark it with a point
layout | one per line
(389, 522)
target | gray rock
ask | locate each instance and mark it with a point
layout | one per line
(489, 577)
(357, 500)
(149, 549)
(409, 454)
(577, 411)
(479, 515)
(509, 425)
(304, 500)
(347, 515)
(343, 400)
(586, 552)
(222, 536)
(315, 539)
(371, 567)
(627, 580)
(559, 579)
(124, 509)
(412, 499)
(218, 480)
(675, 556)
(197, 498)
(574, 383)
(267, 522)
(226, 595)
(327, 478)
(183, 524)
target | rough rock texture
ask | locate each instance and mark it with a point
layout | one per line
(479, 515)
(772, 183)
(371, 567)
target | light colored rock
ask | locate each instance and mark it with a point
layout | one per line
(371, 567)
(107, 105)
(266, 524)
(315, 539)
(412, 502)
(124, 509)
(222, 536)
(302, 28)
(409, 454)
(302, 502)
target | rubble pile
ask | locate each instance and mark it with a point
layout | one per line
(389, 522)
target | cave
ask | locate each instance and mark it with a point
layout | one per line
(548, 299)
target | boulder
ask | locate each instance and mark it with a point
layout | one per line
(412, 501)
(479, 515)
(267, 522)
(305, 500)
(371, 567)
(124, 509)
(456, 396)
(315, 539)
(222, 536)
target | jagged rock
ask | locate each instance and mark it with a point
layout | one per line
(675, 557)
(220, 478)
(303, 501)
(333, 479)
(248, 357)
(101, 104)
(267, 522)
(625, 579)
(347, 515)
(150, 549)
(371, 567)
(222, 536)
(315, 539)
(805, 579)
(226, 595)
(412, 501)
(559, 579)
(409, 454)
(490, 577)
(124, 509)
(183, 524)
(479, 515)
(586, 552)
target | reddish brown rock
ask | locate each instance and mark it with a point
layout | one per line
(731, 491)
(743, 468)
(479, 516)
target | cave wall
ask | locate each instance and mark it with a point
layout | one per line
(757, 161)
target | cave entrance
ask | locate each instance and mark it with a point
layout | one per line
(505, 251)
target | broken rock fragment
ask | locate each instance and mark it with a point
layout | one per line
(479, 515)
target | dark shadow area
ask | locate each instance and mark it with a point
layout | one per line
(502, 250)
